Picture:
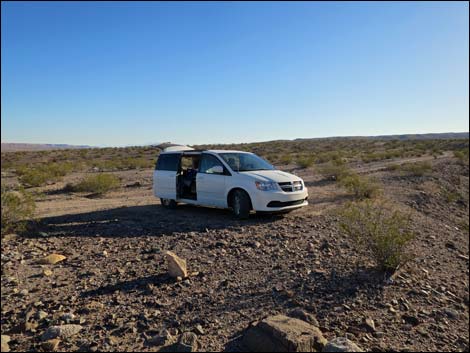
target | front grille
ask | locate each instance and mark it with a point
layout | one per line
(291, 186)
(285, 203)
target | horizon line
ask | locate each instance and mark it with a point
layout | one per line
(234, 143)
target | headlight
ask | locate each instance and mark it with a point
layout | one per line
(266, 185)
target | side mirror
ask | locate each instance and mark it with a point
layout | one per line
(217, 169)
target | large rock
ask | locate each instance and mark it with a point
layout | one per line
(283, 334)
(301, 314)
(52, 259)
(5, 346)
(62, 331)
(164, 338)
(342, 344)
(176, 265)
(186, 343)
(51, 345)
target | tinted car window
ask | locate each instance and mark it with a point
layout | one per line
(168, 162)
(207, 163)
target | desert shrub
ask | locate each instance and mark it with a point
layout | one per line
(136, 163)
(82, 153)
(451, 196)
(436, 151)
(285, 159)
(417, 169)
(33, 177)
(462, 156)
(271, 158)
(371, 157)
(305, 161)
(42, 174)
(379, 232)
(393, 167)
(380, 156)
(463, 224)
(17, 207)
(361, 187)
(58, 170)
(330, 156)
(103, 164)
(335, 170)
(98, 184)
(6, 164)
(122, 164)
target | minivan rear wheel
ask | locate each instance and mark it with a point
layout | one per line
(168, 203)
(241, 204)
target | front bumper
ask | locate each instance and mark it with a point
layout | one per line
(279, 200)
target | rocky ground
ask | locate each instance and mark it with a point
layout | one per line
(113, 282)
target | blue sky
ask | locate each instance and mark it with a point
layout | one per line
(133, 73)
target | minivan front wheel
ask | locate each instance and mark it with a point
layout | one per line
(168, 203)
(241, 204)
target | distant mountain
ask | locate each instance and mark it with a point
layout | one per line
(14, 147)
(430, 136)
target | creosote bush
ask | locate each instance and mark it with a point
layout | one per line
(122, 163)
(41, 175)
(393, 167)
(335, 170)
(361, 187)
(416, 169)
(330, 156)
(379, 231)
(462, 156)
(271, 158)
(451, 196)
(285, 159)
(17, 207)
(34, 177)
(98, 184)
(305, 161)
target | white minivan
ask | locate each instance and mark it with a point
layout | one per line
(238, 180)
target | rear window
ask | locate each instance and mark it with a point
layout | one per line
(168, 162)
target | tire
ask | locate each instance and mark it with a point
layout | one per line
(167, 203)
(241, 204)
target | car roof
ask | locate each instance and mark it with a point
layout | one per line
(192, 151)
(226, 151)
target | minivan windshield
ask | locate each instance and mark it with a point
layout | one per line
(245, 162)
